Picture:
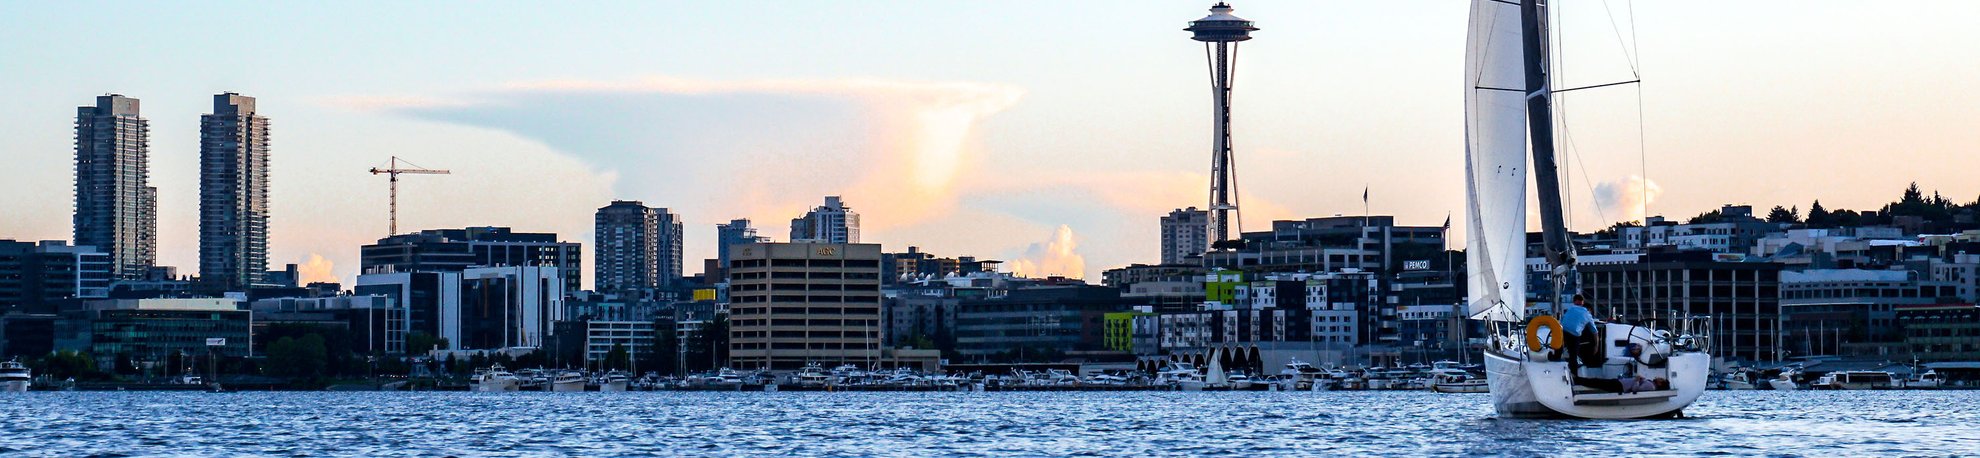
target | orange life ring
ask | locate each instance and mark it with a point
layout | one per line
(1533, 332)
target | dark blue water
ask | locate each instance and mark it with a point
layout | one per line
(1882, 423)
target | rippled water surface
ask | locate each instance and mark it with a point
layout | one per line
(1881, 423)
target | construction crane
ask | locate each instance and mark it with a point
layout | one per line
(393, 170)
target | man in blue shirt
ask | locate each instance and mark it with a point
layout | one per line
(1575, 321)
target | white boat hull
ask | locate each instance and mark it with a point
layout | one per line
(1782, 385)
(15, 386)
(574, 385)
(496, 386)
(613, 386)
(1461, 387)
(1525, 388)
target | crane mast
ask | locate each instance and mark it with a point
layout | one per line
(392, 170)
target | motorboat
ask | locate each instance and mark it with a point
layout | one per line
(812, 375)
(1457, 381)
(1737, 380)
(15, 377)
(614, 381)
(1509, 115)
(567, 381)
(1181, 375)
(494, 379)
(1926, 380)
(1856, 380)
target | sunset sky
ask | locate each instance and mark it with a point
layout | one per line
(1049, 134)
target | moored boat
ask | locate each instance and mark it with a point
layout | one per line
(15, 377)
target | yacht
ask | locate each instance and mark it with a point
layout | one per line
(1927, 380)
(14, 377)
(1855, 380)
(1060, 377)
(494, 379)
(1181, 375)
(812, 375)
(1457, 381)
(567, 381)
(614, 381)
(1509, 114)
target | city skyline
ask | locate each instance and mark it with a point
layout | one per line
(1005, 153)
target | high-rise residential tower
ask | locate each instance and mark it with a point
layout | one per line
(639, 247)
(116, 209)
(796, 303)
(627, 245)
(1220, 33)
(736, 232)
(1185, 234)
(833, 222)
(233, 193)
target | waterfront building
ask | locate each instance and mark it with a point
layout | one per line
(586, 305)
(1037, 324)
(1743, 299)
(1852, 311)
(509, 307)
(377, 324)
(34, 277)
(1733, 229)
(26, 335)
(1185, 236)
(834, 222)
(233, 194)
(636, 338)
(116, 207)
(432, 301)
(1962, 270)
(149, 331)
(1941, 332)
(455, 250)
(1368, 243)
(1862, 247)
(798, 303)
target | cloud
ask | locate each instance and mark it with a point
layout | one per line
(1056, 257)
(317, 269)
(713, 150)
(1627, 197)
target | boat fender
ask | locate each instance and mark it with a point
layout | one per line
(1533, 332)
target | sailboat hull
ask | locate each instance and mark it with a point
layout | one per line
(1524, 388)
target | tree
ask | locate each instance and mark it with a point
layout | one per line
(616, 359)
(1819, 217)
(661, 357)
(65, 364)
(708, 347)
(1707, 218)
(1784, 215)
(418, 343)
(306, 357)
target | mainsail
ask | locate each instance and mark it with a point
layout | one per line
(1495, 163)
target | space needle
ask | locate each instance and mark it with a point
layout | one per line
(1220, 32)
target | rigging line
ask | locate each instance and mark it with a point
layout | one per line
(1618, 83)
(1642, 150)
(1627, 55)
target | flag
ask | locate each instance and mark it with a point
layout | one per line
(1447, 221)
(1364, 194)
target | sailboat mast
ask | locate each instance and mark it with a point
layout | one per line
(1540, 119)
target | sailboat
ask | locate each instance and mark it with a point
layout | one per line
(1507, 104)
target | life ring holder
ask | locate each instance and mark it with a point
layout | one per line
(1533, 333)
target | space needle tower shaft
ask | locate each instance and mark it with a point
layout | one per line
(1220, 33)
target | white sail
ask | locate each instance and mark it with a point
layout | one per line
(1495, 163)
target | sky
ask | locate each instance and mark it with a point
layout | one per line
(1051, 135)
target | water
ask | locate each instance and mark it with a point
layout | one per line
(1862, 423)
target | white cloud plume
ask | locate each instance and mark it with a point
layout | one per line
(1627, 197)
(1056, 257)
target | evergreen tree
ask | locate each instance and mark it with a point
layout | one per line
(1784, 215)
(1818, 216)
